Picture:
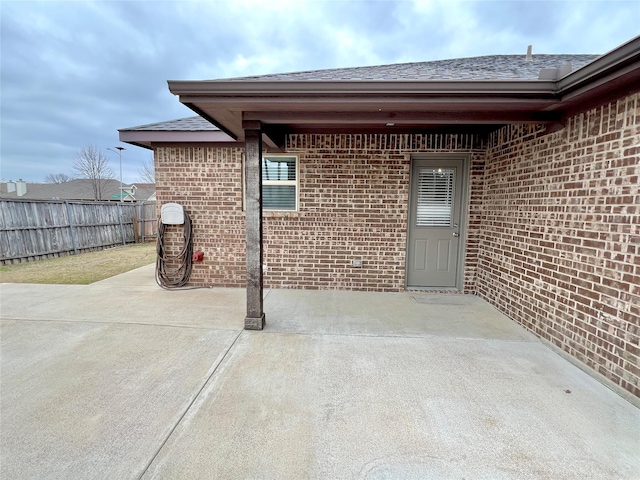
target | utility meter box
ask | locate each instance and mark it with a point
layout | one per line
(172, 214)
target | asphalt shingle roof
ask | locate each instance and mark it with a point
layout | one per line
(188, 124)
(492, 67)
(489, 68)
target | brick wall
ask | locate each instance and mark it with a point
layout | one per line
(207, 182)
(353, 205)
(559, 247)
(353, 193)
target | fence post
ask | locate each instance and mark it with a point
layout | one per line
(121, 225)
(143, 222)
(73, 234)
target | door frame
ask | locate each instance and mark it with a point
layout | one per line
(464, 216)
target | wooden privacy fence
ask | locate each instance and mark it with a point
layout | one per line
(34, 229)
(146, 222)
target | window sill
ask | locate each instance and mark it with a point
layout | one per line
(280, 214)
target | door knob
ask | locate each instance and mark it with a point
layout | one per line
(456, 234)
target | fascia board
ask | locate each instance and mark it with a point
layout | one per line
(219, 88)
(177, 135)
(602, 66)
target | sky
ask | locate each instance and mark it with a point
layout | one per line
(72, 73)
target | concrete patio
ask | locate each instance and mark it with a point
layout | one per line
(121, 379)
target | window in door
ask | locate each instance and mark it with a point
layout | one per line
(435, 197)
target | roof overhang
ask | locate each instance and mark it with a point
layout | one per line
(149, 138)
(285, 107)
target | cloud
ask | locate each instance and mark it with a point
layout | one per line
(73, 73)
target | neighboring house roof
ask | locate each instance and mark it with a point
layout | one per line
(78, 189)
(457, 95)
(141, 192)
(491, 67)
(144, 191)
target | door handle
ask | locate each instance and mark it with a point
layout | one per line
(456, 234)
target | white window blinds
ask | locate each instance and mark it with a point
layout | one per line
(279, 183)
(435, 197)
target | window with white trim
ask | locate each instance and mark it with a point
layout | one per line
(280, 183)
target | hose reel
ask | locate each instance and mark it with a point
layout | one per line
(174, 270)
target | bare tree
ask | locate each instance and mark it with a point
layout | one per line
(57, 178)
(92, 165)
(147, 171)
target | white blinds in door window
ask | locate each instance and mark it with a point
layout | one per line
(435, 197)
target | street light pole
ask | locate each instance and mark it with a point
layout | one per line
(120, 149)
(120, 155)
